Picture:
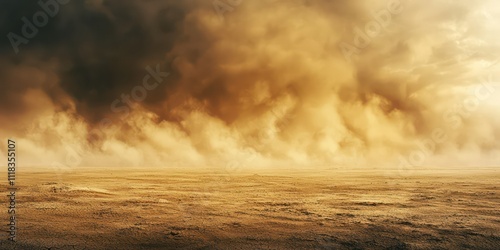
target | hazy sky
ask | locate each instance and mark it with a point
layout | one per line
(246, 84)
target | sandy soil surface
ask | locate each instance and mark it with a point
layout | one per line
(328, 210)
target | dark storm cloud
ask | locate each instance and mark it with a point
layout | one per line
(101, 49)
(293, 80)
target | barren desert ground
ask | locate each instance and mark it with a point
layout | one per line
(118, 209)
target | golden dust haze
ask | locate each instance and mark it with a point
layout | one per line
(261, 84)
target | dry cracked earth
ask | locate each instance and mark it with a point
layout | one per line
(119, 209)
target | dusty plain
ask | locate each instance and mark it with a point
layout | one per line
(172, 209)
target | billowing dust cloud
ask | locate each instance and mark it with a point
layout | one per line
(248, 84)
